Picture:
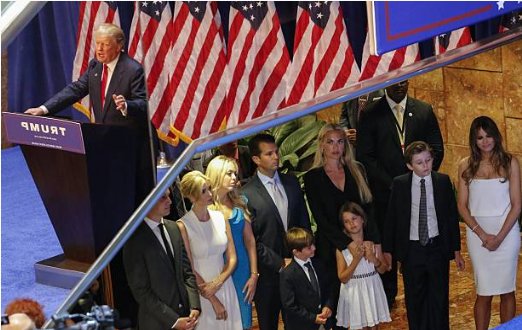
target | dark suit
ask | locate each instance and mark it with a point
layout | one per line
(128, 79)
(379, 149)
(163, 293)
(301, 302)
(269, 233)
(425, 268)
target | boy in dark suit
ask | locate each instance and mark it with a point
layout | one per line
(305, 294)
(422, 232)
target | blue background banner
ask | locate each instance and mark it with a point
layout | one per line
(401, 23)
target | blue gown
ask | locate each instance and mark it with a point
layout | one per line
(242, 272)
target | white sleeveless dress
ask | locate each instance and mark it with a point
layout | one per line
(362, 301)
(495, 271)
(208, 243)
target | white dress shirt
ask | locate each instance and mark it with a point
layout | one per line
(154, 226)
(433, 229)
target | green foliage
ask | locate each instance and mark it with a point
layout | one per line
(297, 143)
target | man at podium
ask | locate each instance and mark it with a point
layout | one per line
(116, 86)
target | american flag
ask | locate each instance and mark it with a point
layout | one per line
(151, 42)
(323, 58)
(373, 65)
(511, 21)
(92, 14)
(257, 61)
(452, 40)
(197, 86)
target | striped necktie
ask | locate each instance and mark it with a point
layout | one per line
(423, 215)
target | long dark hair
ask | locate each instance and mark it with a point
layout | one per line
(500, 159)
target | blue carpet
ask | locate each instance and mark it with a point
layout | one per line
(27, 236)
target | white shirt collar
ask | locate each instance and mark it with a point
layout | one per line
(153, 224)
(112, 64)
(392, 103)
(416, 179)
(266, 179)
(301, 262)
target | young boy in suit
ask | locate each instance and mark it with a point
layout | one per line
(305, 294)
(422, 232)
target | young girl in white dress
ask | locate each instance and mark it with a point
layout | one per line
(362, 301)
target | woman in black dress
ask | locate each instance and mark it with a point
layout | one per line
(334, 179)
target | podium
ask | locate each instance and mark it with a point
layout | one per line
(86, 176)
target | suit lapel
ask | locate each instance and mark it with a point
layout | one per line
(175, 240)
(407, 203)
(289, 198)
(390, 123)
(95, 93)
(158, 246)
(300, 274)
(409, 121)
(263, 193)
(438, 198)
(119, 71)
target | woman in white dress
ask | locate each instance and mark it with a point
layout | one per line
(489, 202)
(208, 241)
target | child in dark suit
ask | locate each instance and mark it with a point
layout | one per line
(422, 232)
(305, 294)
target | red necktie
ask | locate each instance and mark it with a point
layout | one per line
(104, 83)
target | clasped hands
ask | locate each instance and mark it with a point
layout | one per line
(208, 291)
(321, 318)
(189, 322)
(490, 242)
(368, 250)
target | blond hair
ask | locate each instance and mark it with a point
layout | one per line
(299, 238)
(192, 184)
(347, 159)
(216, 171)
(112, 30)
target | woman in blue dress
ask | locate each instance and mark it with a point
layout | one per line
(223, 174)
